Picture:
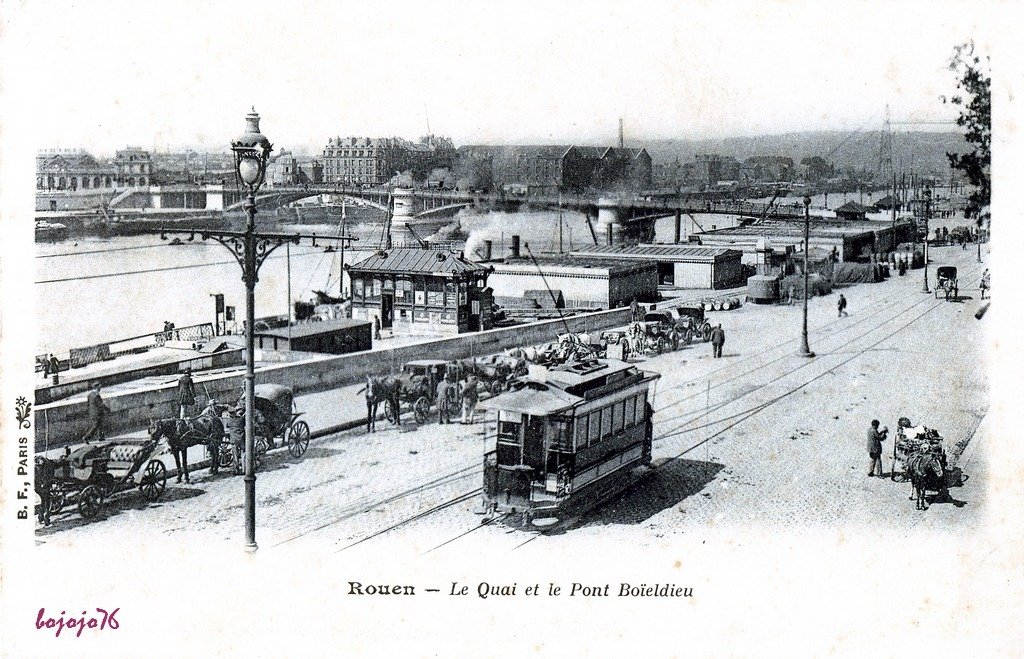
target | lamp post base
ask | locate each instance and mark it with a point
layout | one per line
(805, 353)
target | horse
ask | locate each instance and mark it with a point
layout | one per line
(46, 471)
(923, 467)
(205, 429)
(382, 390)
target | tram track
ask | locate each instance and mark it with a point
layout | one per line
(738, 418)
(682, 429)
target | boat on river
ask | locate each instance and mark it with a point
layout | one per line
(50, 231)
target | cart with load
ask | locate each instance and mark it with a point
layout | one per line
(912, 441)
(93, 473)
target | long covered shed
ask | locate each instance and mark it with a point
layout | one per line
(682, 266)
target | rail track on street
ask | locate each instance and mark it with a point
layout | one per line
(832, 332)
(739, 417)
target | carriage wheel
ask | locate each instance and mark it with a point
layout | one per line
(225, 456)
(421, 409)
(89, 502)
(389, 411)
(260, 453)
(154, 480)
(298, 439)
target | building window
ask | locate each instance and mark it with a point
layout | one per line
(435, 292)
(449, 294)
(376, 288)
(462, 294)
(357, 288)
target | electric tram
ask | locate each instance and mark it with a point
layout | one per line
(568, 438)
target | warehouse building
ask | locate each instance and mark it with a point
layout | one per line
(599, 283)
(681, 266)
(336, 337)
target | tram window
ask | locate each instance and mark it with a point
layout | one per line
(508, 431)
(595, 427)
(581, 431)
(630, 411)
(606, 422)
(618, 414)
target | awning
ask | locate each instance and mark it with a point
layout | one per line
(535, 399)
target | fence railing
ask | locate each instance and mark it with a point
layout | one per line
(84, 356)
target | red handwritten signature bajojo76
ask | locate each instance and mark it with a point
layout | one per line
(102, 620)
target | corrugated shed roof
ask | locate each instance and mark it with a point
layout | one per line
(417, 261)
(853, 207)
(656, 251)
(312, 329)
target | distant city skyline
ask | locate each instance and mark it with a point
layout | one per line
(176, 78)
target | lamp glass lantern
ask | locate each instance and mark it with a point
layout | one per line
(251, 150)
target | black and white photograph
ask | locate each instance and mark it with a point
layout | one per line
(487, 329)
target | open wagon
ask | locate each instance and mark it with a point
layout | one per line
(93, 473)
(910, 442)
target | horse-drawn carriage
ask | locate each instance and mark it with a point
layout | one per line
(919, 455)
(692, 320)
(495, 373)
(946, 282)
(417, 388)
(275, 417)
(93, 473)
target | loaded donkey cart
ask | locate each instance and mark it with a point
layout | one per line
(919, 455)
(93, 473)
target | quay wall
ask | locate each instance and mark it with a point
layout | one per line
(65, 422)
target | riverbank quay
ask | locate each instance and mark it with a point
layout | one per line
(761, 438)
(133, 405)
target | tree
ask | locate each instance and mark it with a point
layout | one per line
(974, 99)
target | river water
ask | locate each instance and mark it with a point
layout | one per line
(94, 290)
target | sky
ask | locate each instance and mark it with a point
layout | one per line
(103, 75)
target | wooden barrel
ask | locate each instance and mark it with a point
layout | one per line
(736, 302)
(709, 305)
(727, 305)
(717, 305)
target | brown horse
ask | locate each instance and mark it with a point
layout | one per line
(382, 390)
(205, 429)
(925, 473)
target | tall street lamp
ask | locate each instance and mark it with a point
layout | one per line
(250, 248)
(805, 349)
(251, 152)
(927, 213)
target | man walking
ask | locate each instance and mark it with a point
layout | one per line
(875, 439)
(444, 402)
(97, 413)
(186, 393)
(376, 328)
(842, 306)
(470, 395)
(717, 340)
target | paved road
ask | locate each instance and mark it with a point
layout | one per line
(760, 437)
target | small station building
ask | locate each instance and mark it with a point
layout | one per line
(422, 291)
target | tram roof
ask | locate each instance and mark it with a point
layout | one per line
(535, 399)
(575, 373)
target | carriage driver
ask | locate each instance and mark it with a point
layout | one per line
(235, 426)
(875, 439)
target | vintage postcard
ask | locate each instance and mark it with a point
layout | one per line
(502, 329)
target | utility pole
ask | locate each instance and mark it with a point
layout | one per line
(805, 349)
(622, 140)
(927, 211)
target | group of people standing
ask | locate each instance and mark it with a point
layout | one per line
(451, 396)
